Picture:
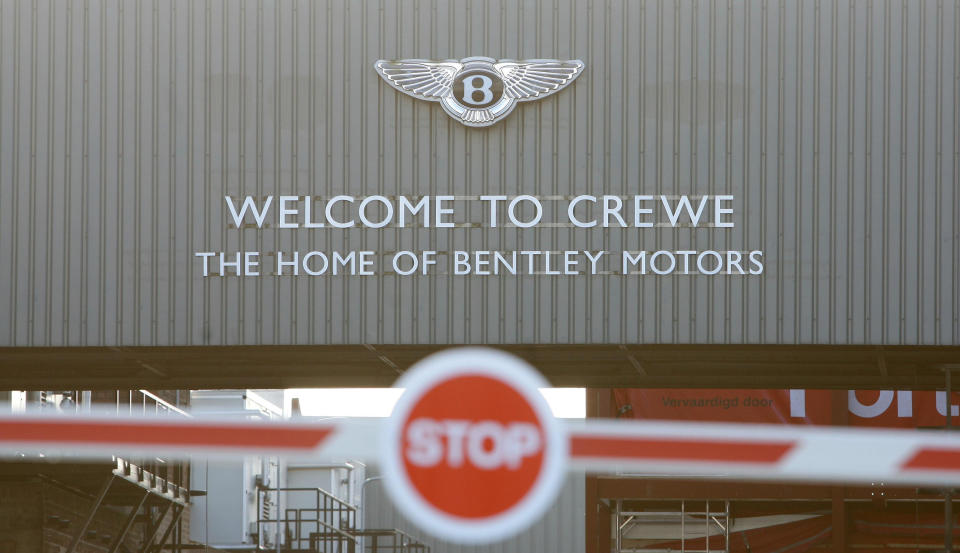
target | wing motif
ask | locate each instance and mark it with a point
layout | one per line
(478, 117)
(534, 79)
(429, 80)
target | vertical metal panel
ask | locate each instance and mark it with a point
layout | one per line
(125, 122)
(561, 530)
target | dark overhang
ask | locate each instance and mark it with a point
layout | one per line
(594, 365)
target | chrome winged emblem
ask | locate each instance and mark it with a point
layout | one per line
(479, 91)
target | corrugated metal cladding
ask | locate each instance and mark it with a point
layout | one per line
(561, 530)
(125, 123)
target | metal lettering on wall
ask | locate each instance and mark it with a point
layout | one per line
(830, 130)
(646, 212)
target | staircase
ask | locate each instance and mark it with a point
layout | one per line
(311, 520)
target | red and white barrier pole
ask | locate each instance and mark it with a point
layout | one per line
(766, 452)
(85, 436)
(742, 451)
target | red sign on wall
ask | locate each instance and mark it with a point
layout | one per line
(869, 408)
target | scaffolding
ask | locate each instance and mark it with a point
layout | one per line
(152, 493)
(633, 527)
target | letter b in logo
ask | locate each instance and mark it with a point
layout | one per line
(470, 87)
(478, 89)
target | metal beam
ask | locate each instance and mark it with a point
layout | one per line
(170, 527)
(129, 523)
(592, 530)
(152, 534)
(621, 365)
(838, 517)
(93, 511)
(647, 488)
(948, 499)
(840, 416)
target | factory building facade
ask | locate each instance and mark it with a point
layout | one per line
(631, 195)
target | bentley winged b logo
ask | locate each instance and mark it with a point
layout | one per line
(479, 91)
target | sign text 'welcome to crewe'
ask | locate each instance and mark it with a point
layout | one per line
(336, 214)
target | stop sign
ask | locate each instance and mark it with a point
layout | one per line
(472, 452)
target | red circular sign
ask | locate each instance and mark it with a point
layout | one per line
(472, 452)
(461, 434)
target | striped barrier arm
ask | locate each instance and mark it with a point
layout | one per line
(767, 452)
(739, 451)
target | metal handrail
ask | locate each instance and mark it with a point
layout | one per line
(627, 519)
(166, 405)
(164, 472)
(328, 512)
(331, 521)
(321, 491)
(408, 544)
